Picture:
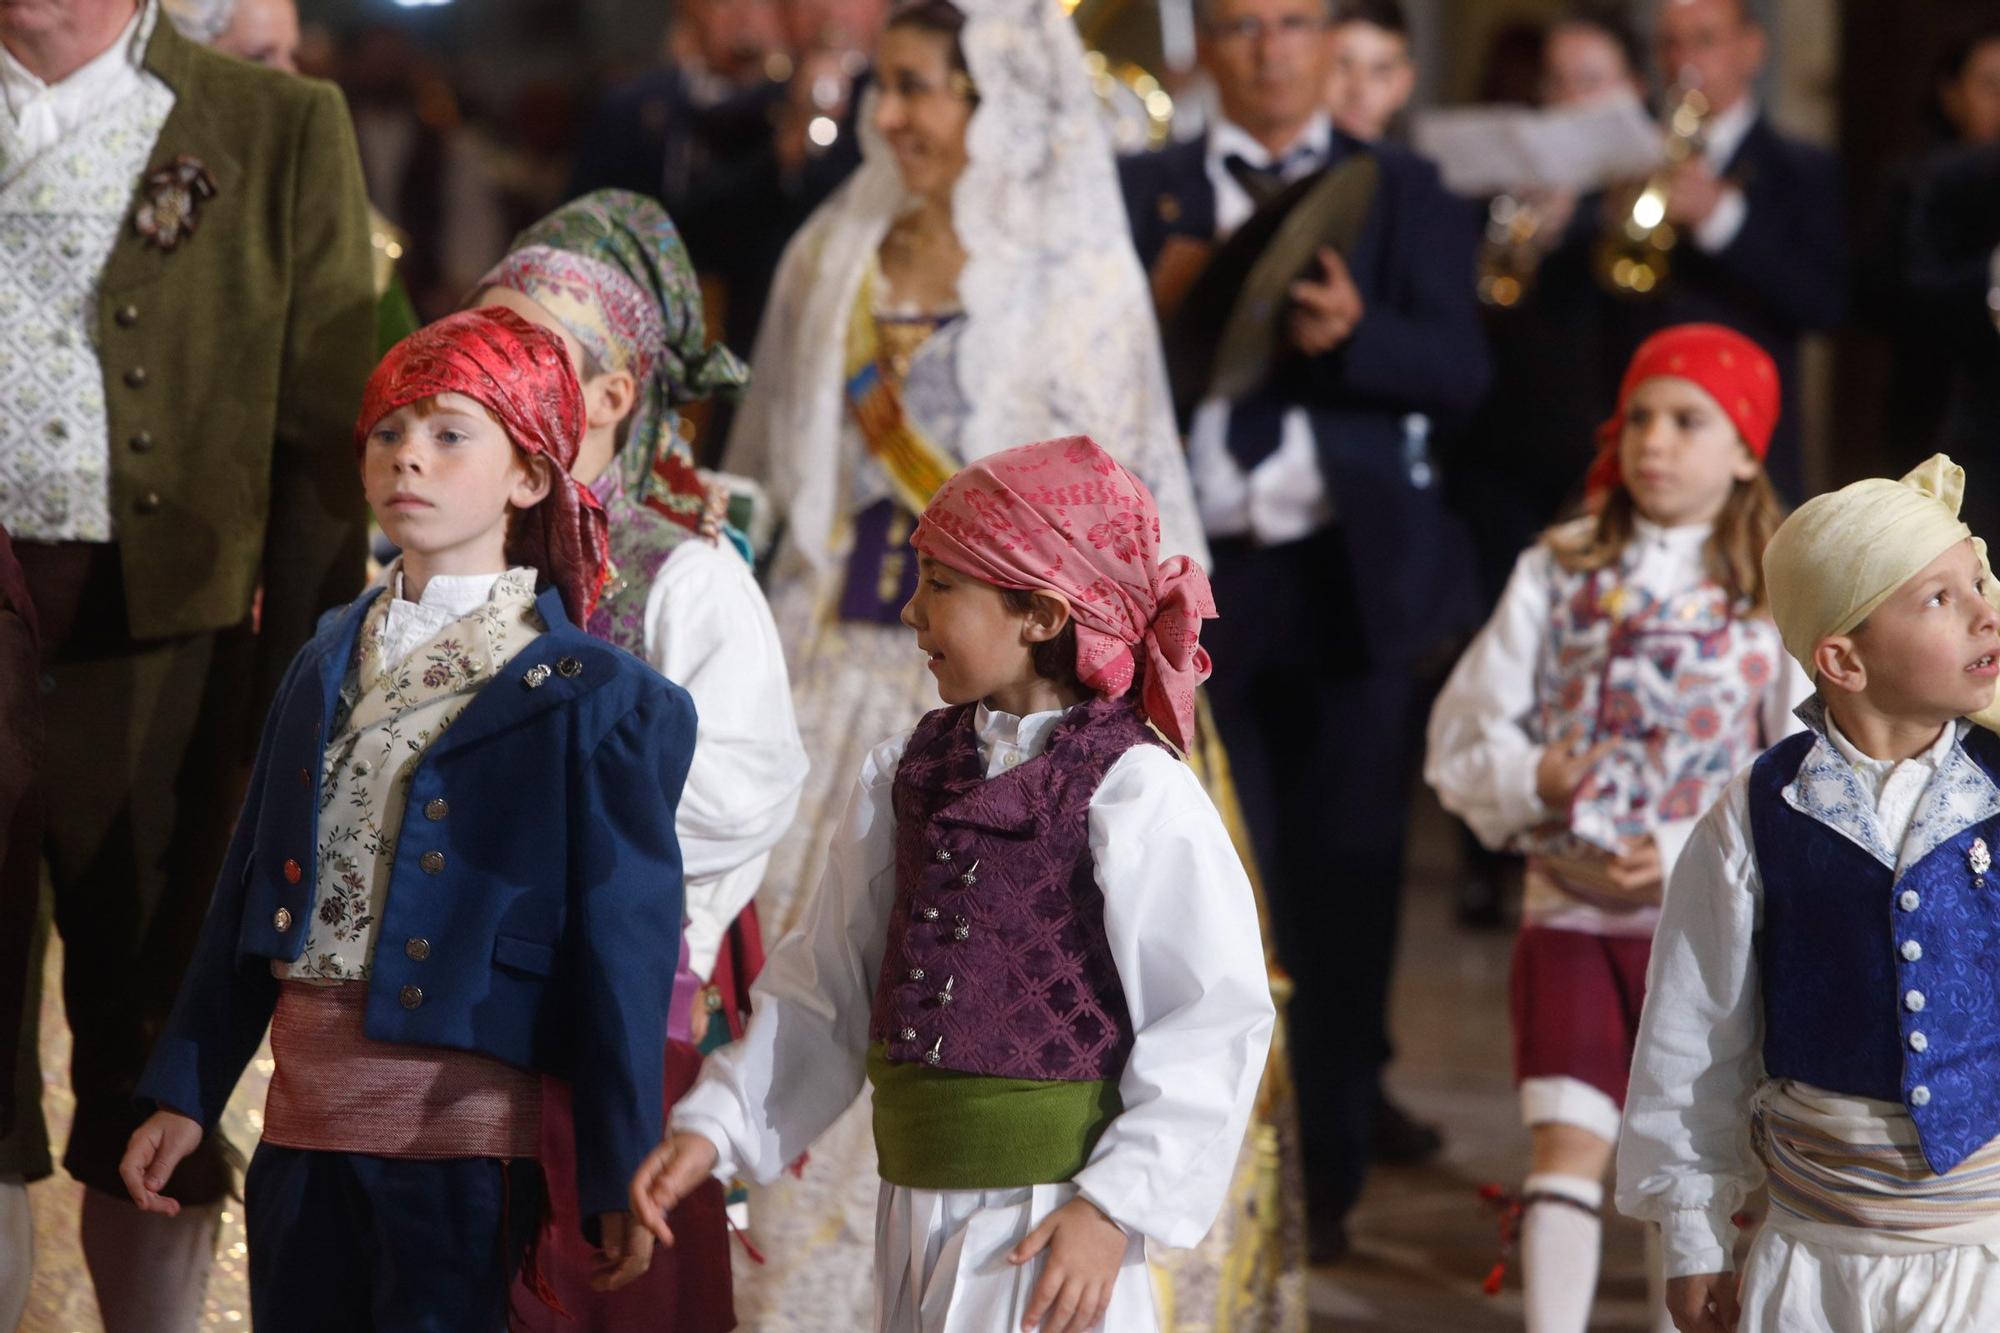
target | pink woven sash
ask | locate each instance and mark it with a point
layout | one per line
(335, 1090)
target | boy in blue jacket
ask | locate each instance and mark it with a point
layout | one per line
(455, 871)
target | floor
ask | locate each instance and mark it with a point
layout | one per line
(1423, 1240)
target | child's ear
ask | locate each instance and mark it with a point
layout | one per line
(609, 398)
(532, 487)
(1046, 617)
(1748, 465)
(1837, 664)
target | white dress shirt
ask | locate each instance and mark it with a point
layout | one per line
(445, 598)
(1685, 1159)
(1182, 927)
(44, 114)
(1284, 498)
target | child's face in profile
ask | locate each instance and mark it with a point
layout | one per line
(976, 643)
(1679, 452)
(441, 475)
(1931, 652)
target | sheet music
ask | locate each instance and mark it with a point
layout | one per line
(1486, 150)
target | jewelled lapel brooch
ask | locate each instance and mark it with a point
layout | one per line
(171, 199)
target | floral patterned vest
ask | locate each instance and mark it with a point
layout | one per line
(1675, 681)
(383, 723)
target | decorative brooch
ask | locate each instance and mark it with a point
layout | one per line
(1981, 861)
(171, 202)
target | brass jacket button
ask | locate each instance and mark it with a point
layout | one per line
(149, 503)
(281, 920)
(417, 949)
(436, 809)
(140, 442)
(412, 996)
(135, 378)
(127, 316)
(432, 862)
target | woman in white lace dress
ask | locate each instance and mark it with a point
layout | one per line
(971, 288)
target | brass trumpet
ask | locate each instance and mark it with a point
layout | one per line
(1635, 255)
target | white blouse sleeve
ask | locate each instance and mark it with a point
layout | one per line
(1182, 925)
(709, 630)
(1684, 1155)
(1480, 757)
(763, 1100)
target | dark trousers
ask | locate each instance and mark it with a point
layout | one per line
(1321, 749)
(20, 875)
(142, 781)
(347, 1243)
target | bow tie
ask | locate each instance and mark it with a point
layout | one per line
(1263, 184)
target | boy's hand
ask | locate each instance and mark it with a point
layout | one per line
(625, 1255)
(1703, 1302)
(669, 1173)
(1563, 768)
(1085, 1249)
(151, 1155)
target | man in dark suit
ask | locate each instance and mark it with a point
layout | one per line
(183, 502)
(1759, 216)
(1335, 564)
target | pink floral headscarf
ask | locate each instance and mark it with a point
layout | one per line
(1063, 516)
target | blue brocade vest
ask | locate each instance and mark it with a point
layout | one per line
(1876, 985)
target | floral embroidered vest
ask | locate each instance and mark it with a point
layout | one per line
(641, 542)
(1676, 682)
(997, 961)
(383, 723)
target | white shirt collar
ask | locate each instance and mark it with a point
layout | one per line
(1933, 757)
(1725, 132)
(1227, 139)
(453, 594)
(1000, 733)
(1680, 537)
(19, 86)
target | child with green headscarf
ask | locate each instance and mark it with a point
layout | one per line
(610, 275)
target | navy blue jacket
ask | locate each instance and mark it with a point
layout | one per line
(554, 920)
(1419, 348)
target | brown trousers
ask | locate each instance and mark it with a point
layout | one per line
(146, 754)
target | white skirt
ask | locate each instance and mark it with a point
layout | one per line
(941, 1262)
(1792, 1285)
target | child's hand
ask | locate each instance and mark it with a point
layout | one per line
(625, 1255)
(669, 1173)
(1085, 1249)
(1703, 1302)
(1634, 877)
(1563, 768)
(151, 1155)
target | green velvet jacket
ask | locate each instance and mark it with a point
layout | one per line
(234, 363)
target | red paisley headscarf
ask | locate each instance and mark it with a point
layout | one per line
(1738, 374)
(522, 375)
(1063, 516)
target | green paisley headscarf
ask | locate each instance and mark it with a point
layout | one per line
(612, 267)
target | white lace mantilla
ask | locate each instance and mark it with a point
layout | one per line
(60, 215)
(1059, 335)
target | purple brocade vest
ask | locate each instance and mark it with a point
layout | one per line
(997, 961)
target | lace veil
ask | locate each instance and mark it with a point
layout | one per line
(1060, 335)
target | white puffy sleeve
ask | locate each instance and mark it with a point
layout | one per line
(1182, 925)
(1480, 757)
(709, 630)
(764, 1099)
(1684, 1154)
